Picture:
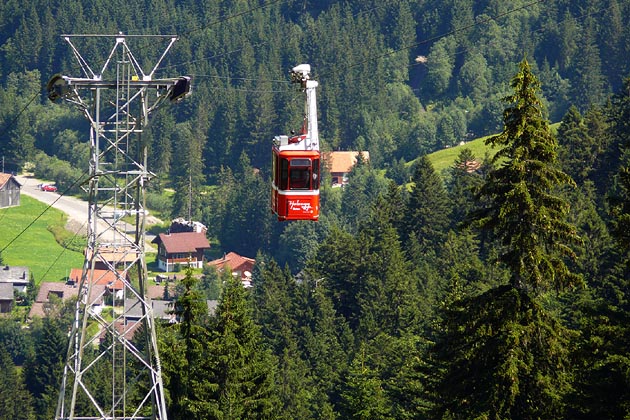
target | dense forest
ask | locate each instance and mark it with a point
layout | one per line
(498, 293)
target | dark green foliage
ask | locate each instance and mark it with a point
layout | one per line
(523, 208)
(364, 185)
(464, 180)
(15, 340)
(275, 299)
(43, 369)
(499, 356)
(428, 207)
(578, 148)
(246, 220)
(617, 146)
(184, 358)
(238, 370)
(15, 400)
(387, 294)
(364, 397)
(621, 211)
(188, 173)
(210, 283)
(602, 361)
(337, 262)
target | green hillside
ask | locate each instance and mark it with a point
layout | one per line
(443, 159)
(26, 240)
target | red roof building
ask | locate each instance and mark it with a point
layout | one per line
(184, 248)
(106, 278)
(341, 163)
(239, 266)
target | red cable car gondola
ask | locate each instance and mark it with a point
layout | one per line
(295, 164)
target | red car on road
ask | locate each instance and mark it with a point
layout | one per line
(49, 188)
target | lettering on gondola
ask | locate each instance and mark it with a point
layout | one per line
(300, 205)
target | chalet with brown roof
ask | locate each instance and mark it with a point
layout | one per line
(239, 266)
(341, 163)
(184, 248)
(9, 191)
(49, 292)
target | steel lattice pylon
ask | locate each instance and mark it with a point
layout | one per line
(112, 368)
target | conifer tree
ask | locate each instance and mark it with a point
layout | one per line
(15, 400)
(500, 355)
(276, 312)
(524, 209)
(602, 360)
(363, 397)
(239, 368)
(387, 294)
(428, 208)
(43, 369)
(186, 349)
(325, 339)
(336, 262)
(465, 178)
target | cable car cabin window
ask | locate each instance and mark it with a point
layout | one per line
(274, 169)
(315, 174)
(300, 174)
(284, 174)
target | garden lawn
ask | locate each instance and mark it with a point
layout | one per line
(26, 241)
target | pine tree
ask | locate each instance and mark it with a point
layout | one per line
(239, 368)
(574, 148)
(428, 207)
(188, 175)
(524, 210)
(336, 262)
(465, 178)
(602, 356)
(500, 354)
(387, 294)
(43, 369)
(364, 398)
(185, 349)
(15, 400)
(276, 312)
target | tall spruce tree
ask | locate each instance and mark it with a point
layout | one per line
(15, 400)
(428, 207)
(277, 313)
(602, 359)
(184, 349)
(465, 178)
(324, 339)
(524, 208)
(239, 367)
(500, 355)
(43, 369)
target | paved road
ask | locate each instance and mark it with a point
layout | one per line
(76, 209)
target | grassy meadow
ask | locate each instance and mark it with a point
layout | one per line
(445, 158)
(26, 240)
